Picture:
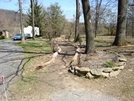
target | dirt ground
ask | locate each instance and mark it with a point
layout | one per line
(55, 83)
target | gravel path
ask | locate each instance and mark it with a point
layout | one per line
(11, 61)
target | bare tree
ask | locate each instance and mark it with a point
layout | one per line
(97, 15)
(120, 39)
(90, 47)
(32, 10)
(77, 36)
(21, 25)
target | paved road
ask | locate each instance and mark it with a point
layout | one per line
(11, 61)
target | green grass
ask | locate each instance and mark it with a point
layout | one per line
(127, 89)
(33, 50)
(5, 39)
(35, 47)
(109, 64)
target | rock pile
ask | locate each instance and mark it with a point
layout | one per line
(105, 72)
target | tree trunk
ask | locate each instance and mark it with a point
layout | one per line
(90, 47)
(32, 9)
(120, 39)
(77, 36)
(97, 15)
(21, 25)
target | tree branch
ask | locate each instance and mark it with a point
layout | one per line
(130, 4)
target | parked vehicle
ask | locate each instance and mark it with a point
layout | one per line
(19, 36)
(28, 31)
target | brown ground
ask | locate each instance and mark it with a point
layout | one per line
(55, 83)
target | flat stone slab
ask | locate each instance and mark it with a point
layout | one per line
(96, 72)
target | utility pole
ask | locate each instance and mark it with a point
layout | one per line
(21, 26)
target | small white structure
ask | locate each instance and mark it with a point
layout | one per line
(28, 31)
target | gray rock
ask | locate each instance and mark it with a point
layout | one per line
(115, 73)
(96, 72)
(89, 75)
(121, 64)
(84, 70)
(74, 63)
(106, 75)
(106, 70)
(76, 68)
(122, 58)
(79, 74)
(71, 70)
(117, 68)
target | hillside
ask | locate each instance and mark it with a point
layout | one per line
(9, 20)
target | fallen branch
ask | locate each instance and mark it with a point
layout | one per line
(52, 60)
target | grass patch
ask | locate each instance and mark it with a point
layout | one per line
(35, 47)
(34, 51)
(109, 64)
(127, 89)
(4, 40)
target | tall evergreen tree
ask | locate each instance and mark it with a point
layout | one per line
(38, 17)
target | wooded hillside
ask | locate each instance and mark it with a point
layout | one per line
(9, 20)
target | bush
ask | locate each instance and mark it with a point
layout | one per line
(109, 64)
(2, 37)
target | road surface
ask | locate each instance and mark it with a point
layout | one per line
(11, 62)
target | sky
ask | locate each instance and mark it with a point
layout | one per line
(67, 6)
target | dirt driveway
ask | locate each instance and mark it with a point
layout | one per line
(55, 83)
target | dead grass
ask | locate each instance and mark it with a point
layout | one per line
(121, 86)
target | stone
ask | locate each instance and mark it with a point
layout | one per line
(122, 58)
(76, 68)
(121, 64)
(84, 70)
(96, 72)
(117, 68)
(79, 74)
(132, 54)
(121, 67)
(115, 73)
(106, 75)
(89, 75)
(71, 70)
(106, 70)
(74, 63)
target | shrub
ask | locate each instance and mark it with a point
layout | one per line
(109, 64)
(2, 37)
